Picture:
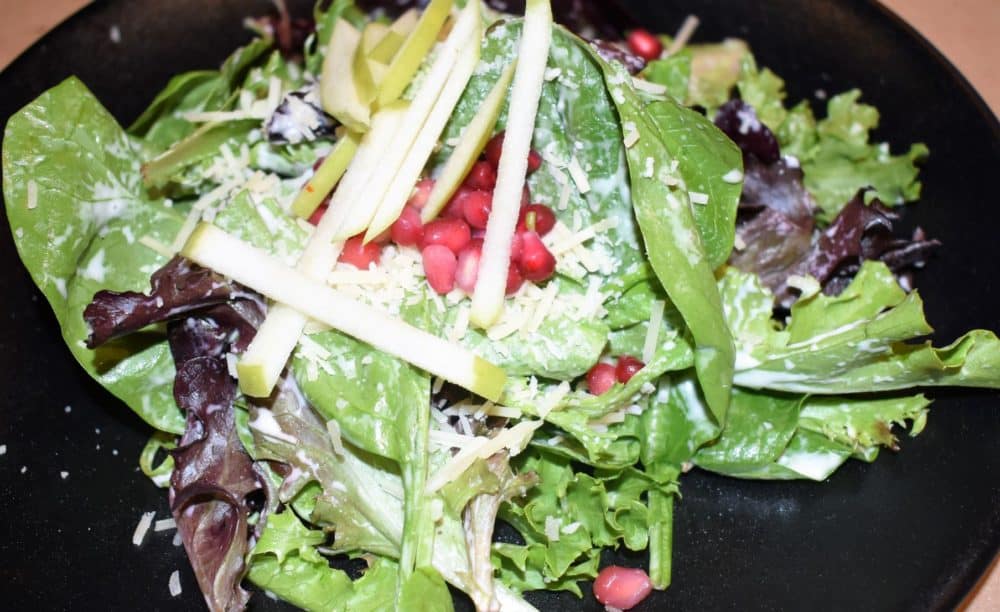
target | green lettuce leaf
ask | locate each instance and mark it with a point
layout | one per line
(758, 430)
(285, 562)
(80, 230)
(568, 516)
(855, 342)
(836, 155)
(161, 124)
(863, 424)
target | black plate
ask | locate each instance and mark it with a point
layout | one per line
(912, 531)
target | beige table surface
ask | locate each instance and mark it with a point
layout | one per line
(964, 30)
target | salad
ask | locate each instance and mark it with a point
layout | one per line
(385, 284)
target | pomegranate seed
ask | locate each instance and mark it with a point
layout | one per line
(534, 161)
(536, 263)
(407, 230)
(627, 367)
(421, 193)
(514, 279)
(516, 248)
(439, 267)
(495, 147)
(451, 233)
(600, 378)
(359, 254)
(622, 587)
(318, 214)
(481, 176)
(476, 208)
(468, 266)
(455, 208)
(544, 219)
(644, 44)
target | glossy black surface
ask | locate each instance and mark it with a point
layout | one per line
(912, 531)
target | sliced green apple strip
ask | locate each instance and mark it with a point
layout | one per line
(470, 144)
(213, 248)
(364, 79)
(423, 147)
(326, 176)
(431, 88)
(265, 358)
(352, 204)
(394, 39)
(533, 55)
(417, 46)
(339, 92)
(260, 365)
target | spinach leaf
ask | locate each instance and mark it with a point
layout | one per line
(576, 121)
(673, 243)
(712, 168)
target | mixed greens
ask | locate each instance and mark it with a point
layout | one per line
(733, 256)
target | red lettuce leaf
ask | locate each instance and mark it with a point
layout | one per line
(214, 481)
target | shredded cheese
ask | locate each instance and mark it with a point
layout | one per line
(155, 245)
(683, 35)
(578, 175)
(653, 332)
(552, 525)
(333, 429)
(165, 524)
(175, 583)
(564, 194)
(513, 439)
(631, 135)
(220, 116)
(583, 236)
(698, 197)
(645, 86)
(544, 306)
(553, 399)
(32, 189)
(140, 530)
(461, 325)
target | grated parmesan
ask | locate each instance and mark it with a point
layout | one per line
(175, 584)
(552, 525)
(140, 530)
(733, 176)
(683, 35)
(578, 175)
(32, 194)
(653, 332)
(513, 439)
(645, 86)
(333, 429)
(155, 245)
(698, 197)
